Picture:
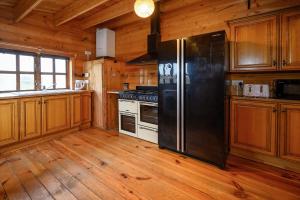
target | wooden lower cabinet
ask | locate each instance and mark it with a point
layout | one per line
(30, 118)
(56, 114)
(9, 120)
(75, 110)
(290, 132)
(86, 114)
(254, 126)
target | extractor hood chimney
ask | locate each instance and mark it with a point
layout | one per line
(153, 41)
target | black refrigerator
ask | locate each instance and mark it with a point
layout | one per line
(192, 98)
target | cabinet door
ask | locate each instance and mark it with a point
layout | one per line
(75, 110)
(56, 113)
(9, 130)
(253, 126)
(30, 119)
(290, 132)
(86, 108)
(291, 41)
(254, 45)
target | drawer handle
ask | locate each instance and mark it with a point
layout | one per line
(275, 110)
(284, 110)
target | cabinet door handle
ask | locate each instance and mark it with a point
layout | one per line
(275, 110)
(284, 63)
(274, 63)
(284, 110)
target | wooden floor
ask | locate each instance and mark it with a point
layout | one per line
(95, 165)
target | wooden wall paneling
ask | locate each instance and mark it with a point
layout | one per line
(290, 40)
(38, 30)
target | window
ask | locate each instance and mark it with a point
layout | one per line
(20, 71)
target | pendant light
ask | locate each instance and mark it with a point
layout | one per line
(144, 8)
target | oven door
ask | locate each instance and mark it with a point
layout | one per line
(128, 124)
(148, 114)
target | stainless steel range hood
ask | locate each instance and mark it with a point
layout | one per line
(153, 41)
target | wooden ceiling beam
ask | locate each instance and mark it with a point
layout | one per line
(116, 10)
(24, 7)
(76, 9)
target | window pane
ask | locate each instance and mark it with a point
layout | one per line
(8, 82)
(61, 81)
(47, 81)
(27, 82)
(60, 66)
(26, 63)
(46, 65)
(7, 62)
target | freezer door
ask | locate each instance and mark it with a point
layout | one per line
(168, 99)
(204, 97)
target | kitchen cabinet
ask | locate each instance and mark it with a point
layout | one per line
(254, 126)
(9, 128)
(86, 115)
(266, 43)
(75, 110)
(254, 44)
(30, 118)
(289, 138)
(290, 41)
(56, 113)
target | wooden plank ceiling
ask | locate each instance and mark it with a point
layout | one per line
(114, 13)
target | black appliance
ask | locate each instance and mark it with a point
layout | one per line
(192, 97)
(142, 93)
(153, 40)
(288, 89)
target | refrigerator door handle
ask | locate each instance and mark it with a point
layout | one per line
(182, 92)
(178, 94)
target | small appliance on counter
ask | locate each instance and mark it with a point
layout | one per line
(288, 89)
(81, 84)
(256, 90)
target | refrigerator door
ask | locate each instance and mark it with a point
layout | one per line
(204, 94)
(168, 93)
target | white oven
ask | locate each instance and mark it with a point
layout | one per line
(128, 117)
(148, 121)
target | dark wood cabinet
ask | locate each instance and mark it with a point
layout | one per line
(254, 126)
(290, 59)
(289, 138)
(254, 45)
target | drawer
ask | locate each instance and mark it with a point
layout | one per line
(148, 134)
(128, 106)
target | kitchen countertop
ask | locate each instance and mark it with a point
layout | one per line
(270, 99)
(17, 95)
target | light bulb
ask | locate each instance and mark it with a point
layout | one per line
(144, 8)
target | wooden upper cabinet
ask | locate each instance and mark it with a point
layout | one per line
(290, 132)
(254, 44)
(56, 113)
(9, 129)
(290, 31)
(31, 118)
(75, 110)
(253, 126)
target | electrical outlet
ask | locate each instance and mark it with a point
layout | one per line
(236, 82)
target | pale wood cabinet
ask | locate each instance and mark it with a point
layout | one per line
(290, 31)
(75, 110)
(56, 113)
(289, 138)
(30, 118)
(9, 120)
(254, 45)
(254, 126)
(86, 115)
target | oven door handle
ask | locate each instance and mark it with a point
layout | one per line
(148, 129)
(149, 104)
(128, 114)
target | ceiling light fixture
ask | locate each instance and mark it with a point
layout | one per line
(144, 8)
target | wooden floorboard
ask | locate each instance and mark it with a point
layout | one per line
(93, 164)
